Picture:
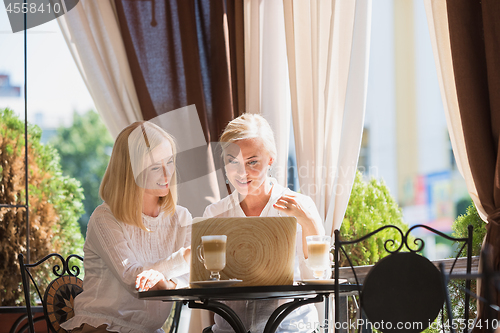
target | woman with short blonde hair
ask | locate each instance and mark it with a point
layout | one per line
(249, 126)
(137, 240)
(249, 150)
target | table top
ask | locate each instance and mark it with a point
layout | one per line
(245, 293)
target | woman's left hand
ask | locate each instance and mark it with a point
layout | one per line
(310, 226)
(291, 207)
(152, 280)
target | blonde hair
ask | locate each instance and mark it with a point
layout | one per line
(249, 126)
(119, 188)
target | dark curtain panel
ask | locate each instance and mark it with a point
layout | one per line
(184, 52)
(475, 45)
(178, 56)
(237, 60)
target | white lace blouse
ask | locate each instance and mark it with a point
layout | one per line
(114, 254)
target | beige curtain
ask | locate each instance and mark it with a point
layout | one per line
(328, 48)
(437, 20)
(466, 46)
(266, 74)
(92, 33)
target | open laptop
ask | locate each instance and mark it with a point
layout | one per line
(259, 250)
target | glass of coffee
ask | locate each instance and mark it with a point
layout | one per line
(318, 250)
(212, 253)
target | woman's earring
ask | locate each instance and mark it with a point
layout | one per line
(227, 181)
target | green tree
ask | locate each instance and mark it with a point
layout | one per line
(55, 204)
(85, 148)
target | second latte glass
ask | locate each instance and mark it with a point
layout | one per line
(318, 251)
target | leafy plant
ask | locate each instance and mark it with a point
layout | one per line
(471, 217)
(55, 204)
(84, 150)
(370, 207)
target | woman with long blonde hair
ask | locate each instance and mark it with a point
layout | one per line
(137, 240)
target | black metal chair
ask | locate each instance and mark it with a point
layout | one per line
(58, 298)
(404, 291)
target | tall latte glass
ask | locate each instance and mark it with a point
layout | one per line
(318, 251)
(212, 253)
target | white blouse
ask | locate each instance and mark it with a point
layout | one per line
(254, 314)
(114, 254)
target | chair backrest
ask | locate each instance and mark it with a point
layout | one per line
(404, 291)
(58, 297)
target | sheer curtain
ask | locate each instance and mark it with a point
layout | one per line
(267, 89)
(466, 47)
(92, 33)
(327, 45)
(328, 51)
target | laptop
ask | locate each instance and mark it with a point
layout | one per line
(260, 251)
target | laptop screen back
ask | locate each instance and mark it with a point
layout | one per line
(259, 250)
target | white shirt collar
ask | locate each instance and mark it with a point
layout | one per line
(276, 192)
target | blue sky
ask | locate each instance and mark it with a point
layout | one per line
(55, 87)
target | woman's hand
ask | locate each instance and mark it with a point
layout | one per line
(288, 205)
(152, 280)
(291, 207)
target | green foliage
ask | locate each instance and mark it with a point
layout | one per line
(479, 228)
(84, 149)
(54, 205)
(371, 206)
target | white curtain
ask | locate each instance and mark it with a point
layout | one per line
(328, 52)
(266, 74)
(437, 19)
(92, 33)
